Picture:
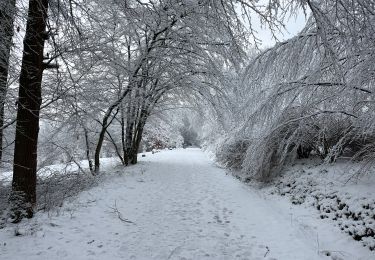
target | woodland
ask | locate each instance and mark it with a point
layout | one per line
(82, 80)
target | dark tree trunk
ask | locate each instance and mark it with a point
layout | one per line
(136, 143)
(7, 12)
(143, 115)
(117, 150)
(103, 131)
(123, 143)
(23, 195)
(91, 168)
(98, 149)
(99, 145)
(129, 129)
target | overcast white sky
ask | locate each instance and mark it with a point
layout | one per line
(293, 26)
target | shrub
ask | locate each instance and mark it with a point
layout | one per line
(232, 153)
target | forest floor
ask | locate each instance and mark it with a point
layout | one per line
(177, 205)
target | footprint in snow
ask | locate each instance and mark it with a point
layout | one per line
(218, 220)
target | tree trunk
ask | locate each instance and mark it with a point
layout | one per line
(138, 133)
(7, 12)
(98, 149)
(137, 141)
(23, 195)
(105, 125)
(129, 130)
(91, 167)
(117, 150)
(123, 142)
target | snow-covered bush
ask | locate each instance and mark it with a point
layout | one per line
(292, 137)
(286, 137)
(312, 95)
(53, 191)
(232, 152)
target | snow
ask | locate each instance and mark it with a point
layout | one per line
(337, 192)
(50, 170)
(177, 205)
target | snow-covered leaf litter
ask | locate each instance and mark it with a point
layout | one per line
(177, 205)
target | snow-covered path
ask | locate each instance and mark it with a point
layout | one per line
(181, 207)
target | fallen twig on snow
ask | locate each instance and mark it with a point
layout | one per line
(119, 215)
(268, 250)
(173, 251)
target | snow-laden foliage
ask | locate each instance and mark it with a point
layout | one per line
(109, 67)
(310, 95)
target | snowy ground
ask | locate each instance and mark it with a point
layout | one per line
(337, 192)
(177, 205)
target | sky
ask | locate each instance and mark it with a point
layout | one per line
(293, 26)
